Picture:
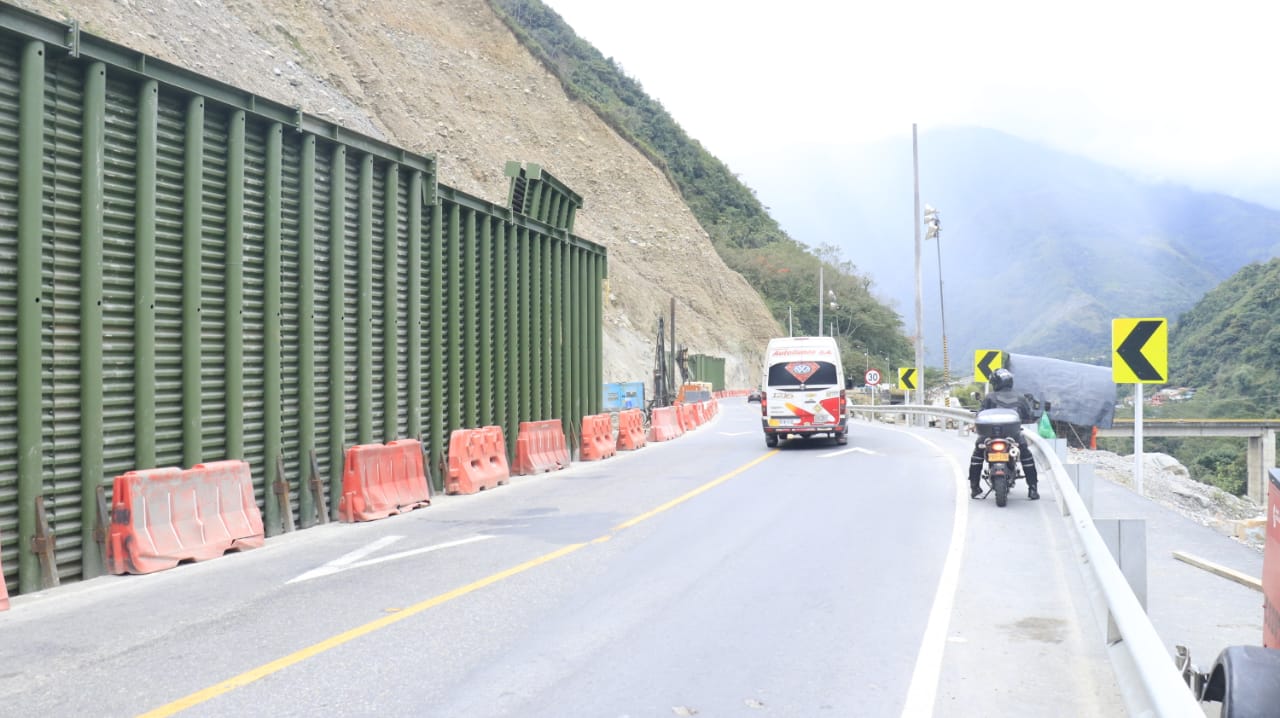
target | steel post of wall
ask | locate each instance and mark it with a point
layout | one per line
(453, 269)
(580, 329)
(536, 319)
(92, 191)
(192, 236)
(501, 412)
(553, 210)
(273, 332)
(235, 285)
(415, 305)
(549, 388)
(470, 363)
(364, 303)
(488, 417)
(391, 316)
(573, 412)
(30, 314)
(526, 322)
(508, 400)
(535, 202)
(588, 333)
(144, 358)
(337, 344)
(557, 329)
(596, 376)
(306, 325)
(437, 342)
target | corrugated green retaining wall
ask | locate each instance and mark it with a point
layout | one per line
(708, 368)
(189, 273)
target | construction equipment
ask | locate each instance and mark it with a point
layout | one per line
(662, 394)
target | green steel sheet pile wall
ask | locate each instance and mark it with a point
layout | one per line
(708, 368)
(193, 273)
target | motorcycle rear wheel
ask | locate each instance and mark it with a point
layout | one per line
(1001, 484)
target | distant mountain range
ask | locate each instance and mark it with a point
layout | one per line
(1040, 249)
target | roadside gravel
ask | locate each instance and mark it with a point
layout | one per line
(1168, 482)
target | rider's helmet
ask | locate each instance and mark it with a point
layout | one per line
(1001, 379)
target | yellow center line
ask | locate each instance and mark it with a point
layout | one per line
(681, 499)
(311, 651)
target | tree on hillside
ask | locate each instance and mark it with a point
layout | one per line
(782, 270)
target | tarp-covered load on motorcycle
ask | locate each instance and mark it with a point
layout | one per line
(991, 423)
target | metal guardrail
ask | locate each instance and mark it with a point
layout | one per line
(1145, 671)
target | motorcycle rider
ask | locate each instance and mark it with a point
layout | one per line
(1002, 397)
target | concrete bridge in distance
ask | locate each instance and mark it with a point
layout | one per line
(1261, 434)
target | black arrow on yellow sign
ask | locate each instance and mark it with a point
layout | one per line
(906, 378)
(984, 364)
(1130, 350)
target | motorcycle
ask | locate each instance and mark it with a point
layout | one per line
(998, 431)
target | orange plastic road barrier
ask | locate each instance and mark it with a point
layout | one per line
(684, 414)
(477, 460)
(161, 517)
(381, 480)
(597, 438)
(540, 446)
(665, 424)
(630, 430)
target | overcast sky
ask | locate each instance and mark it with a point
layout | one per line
(1185, 91)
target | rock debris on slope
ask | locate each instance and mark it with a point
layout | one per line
(1168, 482)
(447, 77)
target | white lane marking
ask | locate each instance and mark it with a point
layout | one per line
(352, 560)
(734, 433)
(850, 451)
(922, 693)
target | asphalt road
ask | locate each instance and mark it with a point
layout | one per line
(704, 576)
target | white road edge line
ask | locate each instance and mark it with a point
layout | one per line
(352, 560)
(922, 692)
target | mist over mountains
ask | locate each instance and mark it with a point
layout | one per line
(1040, 249)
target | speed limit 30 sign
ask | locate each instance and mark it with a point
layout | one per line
(872, 377)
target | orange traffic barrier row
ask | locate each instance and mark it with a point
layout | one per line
(161, 517)
(477, 460)
(380, 480)
(665, 424)
(630, 430)
(597, 440)
(540, 446)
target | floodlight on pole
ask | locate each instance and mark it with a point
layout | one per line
(933, 230)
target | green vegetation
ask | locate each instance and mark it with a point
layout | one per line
(1228, 348)
(784, 271)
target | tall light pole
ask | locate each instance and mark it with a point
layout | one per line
(933, 230)
(820, 297)
(915, 222)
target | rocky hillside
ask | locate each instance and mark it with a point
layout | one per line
(447, 77)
